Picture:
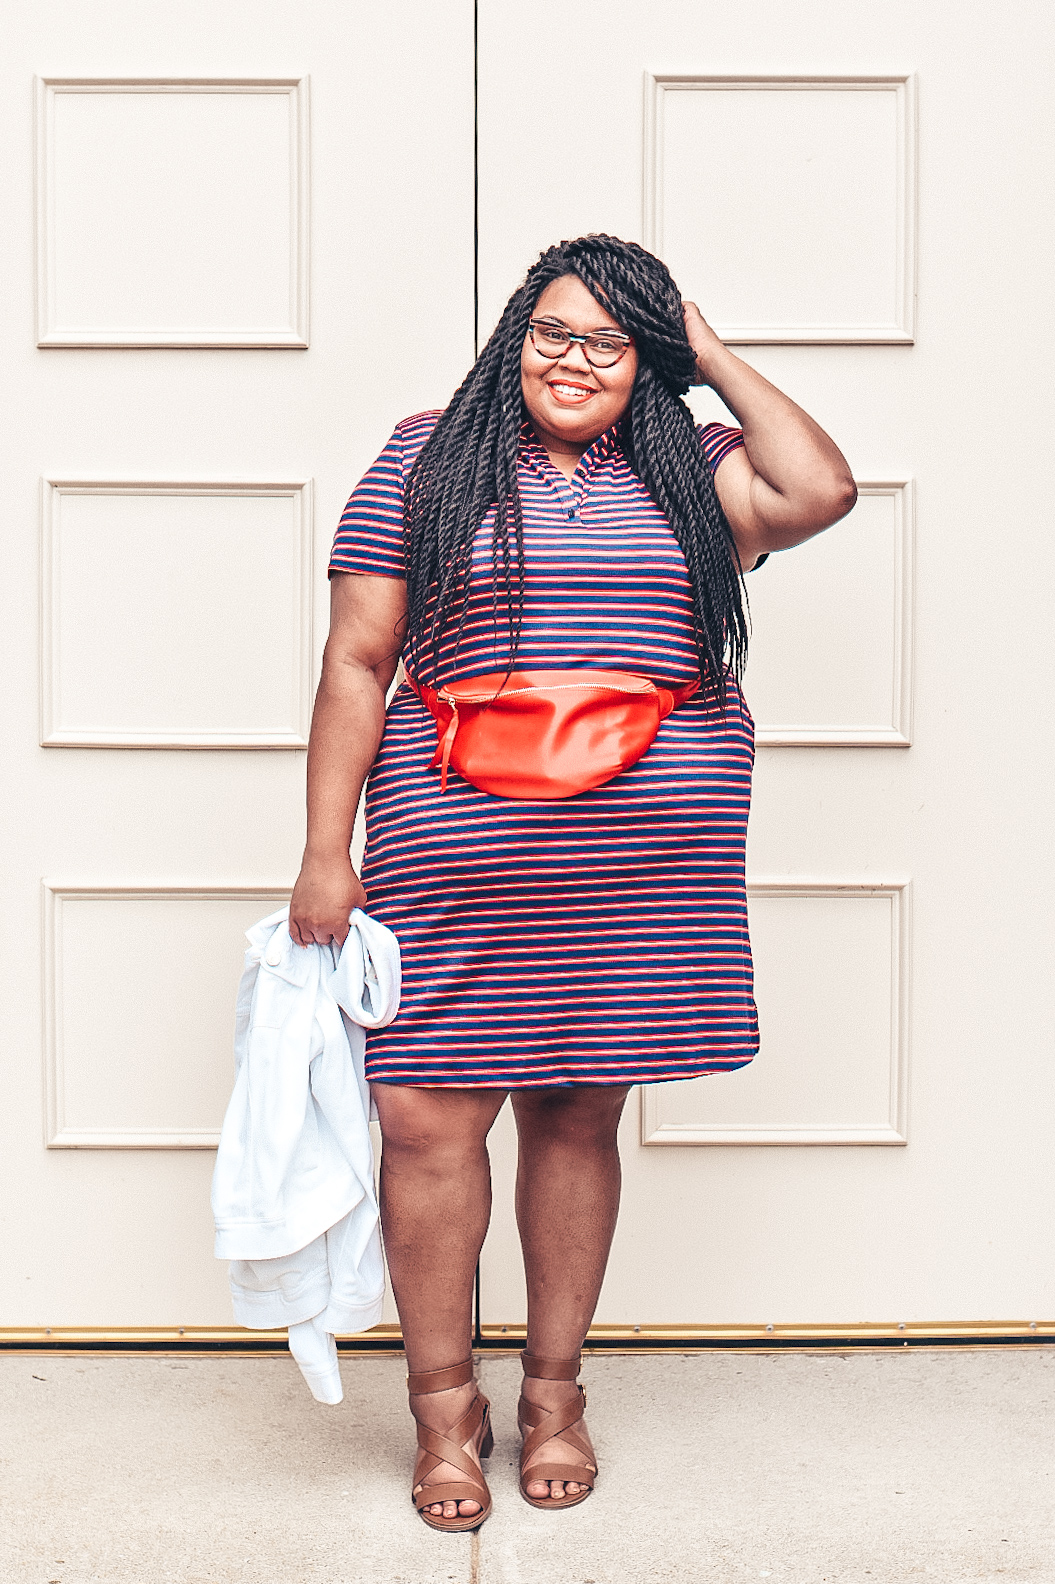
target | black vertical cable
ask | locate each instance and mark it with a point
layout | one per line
(476, 178)
(478, 1334)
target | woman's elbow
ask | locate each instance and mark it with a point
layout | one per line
(834, 502)
(847, 496)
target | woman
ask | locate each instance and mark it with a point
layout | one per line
(564, 511)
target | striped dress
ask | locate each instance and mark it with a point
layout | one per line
(600, 939)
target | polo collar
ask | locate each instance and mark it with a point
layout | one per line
(595, 454)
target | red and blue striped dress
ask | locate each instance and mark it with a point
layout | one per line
(600, 939)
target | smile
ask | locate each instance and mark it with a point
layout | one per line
(571, 395)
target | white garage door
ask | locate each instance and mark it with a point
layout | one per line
(247, 236)
(184, 415)
(801, 169)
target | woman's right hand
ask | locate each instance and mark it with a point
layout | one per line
(326, 891)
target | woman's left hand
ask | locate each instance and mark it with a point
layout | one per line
(702, 339)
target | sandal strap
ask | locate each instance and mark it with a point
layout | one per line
(537, 1368)
(448, 1446)
(429, 1494)
(550, 1425)
(565, 1472)
(426, 1381)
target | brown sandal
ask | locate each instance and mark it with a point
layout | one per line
(538, 1425)
(448, 1446)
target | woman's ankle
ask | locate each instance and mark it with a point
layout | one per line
(443, 1407)
(547, 1392)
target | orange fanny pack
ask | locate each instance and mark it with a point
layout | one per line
(545, 734)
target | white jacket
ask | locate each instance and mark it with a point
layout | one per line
(293, 1190)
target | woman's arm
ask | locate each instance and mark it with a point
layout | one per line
(367, 619)
(790, 481)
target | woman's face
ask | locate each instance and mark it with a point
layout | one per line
(569, 401)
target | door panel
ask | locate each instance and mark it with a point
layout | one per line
(214, 361)
(768, 152)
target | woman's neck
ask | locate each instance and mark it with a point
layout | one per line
(564, 454)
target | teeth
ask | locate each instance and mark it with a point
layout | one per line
(571, 390)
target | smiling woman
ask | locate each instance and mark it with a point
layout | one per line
(576, 380)
(564, 521)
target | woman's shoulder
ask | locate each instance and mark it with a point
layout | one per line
(418, 426)
(410, 435)
(718, 440)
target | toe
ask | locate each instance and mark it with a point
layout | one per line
(538, 1489)
(556, 1489)
(450, 1509)
(468, 1509)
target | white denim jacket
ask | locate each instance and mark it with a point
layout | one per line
(293, 1190)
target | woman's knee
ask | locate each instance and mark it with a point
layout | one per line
(430, 1123)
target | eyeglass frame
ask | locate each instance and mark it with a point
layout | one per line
(551, 357)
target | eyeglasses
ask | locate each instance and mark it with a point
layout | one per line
(602, 348)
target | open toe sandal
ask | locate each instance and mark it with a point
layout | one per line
(448, 1446)
(538, 1425)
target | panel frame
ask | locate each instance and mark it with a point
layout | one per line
(300, 491)
(52, 334)
(894, 1131)
(57, 1135)
(902, 332)
(899, 735)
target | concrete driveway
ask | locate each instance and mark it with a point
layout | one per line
(861, 1468)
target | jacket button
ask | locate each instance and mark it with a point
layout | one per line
(273, 955)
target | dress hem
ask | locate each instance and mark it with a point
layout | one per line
(623, 1081)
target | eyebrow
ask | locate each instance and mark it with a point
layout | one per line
(597, 329)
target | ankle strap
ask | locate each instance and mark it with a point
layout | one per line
(426, 1381)
(536, 1368)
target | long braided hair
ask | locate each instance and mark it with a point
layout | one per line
(469, 465)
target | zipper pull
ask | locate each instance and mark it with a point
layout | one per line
(448, 740)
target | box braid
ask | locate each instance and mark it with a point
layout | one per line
(469, 465)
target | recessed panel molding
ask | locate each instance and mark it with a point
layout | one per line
(172, 212)
(831, 662)
(176, 614)
(786, 204)
(139, 1001)
(859, 1010)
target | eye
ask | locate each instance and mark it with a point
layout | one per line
(603, 343)
(549, 333)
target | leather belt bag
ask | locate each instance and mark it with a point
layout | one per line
(545, 734)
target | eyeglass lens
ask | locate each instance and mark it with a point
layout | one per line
(601, 350)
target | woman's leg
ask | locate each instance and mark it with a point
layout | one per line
(435, 1206)
(568, 1180)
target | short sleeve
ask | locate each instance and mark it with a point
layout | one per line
(718, 441)
(369, 537)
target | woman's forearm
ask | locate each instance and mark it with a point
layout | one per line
(345, 734)
(361, 656)
(785, 446)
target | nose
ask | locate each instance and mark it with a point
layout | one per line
(575, 358)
